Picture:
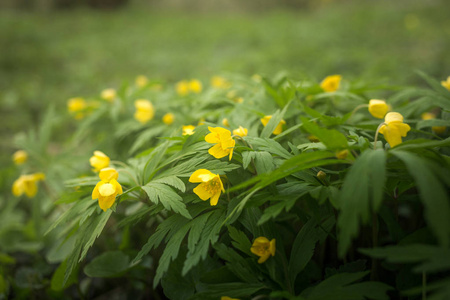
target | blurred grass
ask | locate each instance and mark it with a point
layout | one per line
(50, 57)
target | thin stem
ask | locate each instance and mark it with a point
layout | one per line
(376, 135)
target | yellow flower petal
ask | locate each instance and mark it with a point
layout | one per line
(241, 131)
(195, 86)
(20, 157)
(107, 189)
(106, 202)
(168, 118)
(188, 129)
(378, 108)
(108, 94)
(99, 161)
(108, 174)
(95, 192)
(331, 83)
(200, 190)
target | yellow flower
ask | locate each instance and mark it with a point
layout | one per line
(257, 78)
(201, 121)
(188, 129)
(277, 129)
(141, 81)
(107, 189)
(342, 154)
(168, 118)
(220, 82)
(331, 83)
(228, 298)
(446, 83)
(108, 94)
(195, 86)
(394, 129)
(225, 122)
(27, 184)
(182, 88)
(263, 248)
(144, 111)
(76, 106)
(378, 108)
(20, 157)
(223, 141)
(210, 185)
(99, 161)
(241, 131)
(436, 129)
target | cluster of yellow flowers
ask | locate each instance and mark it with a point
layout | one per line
(185, 87)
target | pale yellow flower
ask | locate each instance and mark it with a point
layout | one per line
(436, 129)
(182, 88)
(107, 189)
(168, 118)
(378, 108)
(263, 248)
(76, 106)
(144, 110)
(277, 129)
(331, 83)
(99, 161)
(446, 83)
(108, 94)
(27, 184)
(20, 157)
(141, 81)
(210, 185)
(225, 122)
(394, 129)
(188, 129)
(223, 140)
(195, 86)
(342, 154)
(220, 82)
(241, 131)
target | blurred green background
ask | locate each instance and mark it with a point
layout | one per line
(54, 50)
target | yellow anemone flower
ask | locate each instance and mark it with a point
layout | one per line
(394, 129)
(210, 185)
(99, 161)
(220, 82)
(108, 94)
(378, 108)
(223, 140)
(195, 86)
(228, 298)
(241, 131)
(168, 118)
(20, 157)
(331, 83)
(446, 83)
(277, 129)
(76, 106)
(342, 154)
(144, 110)
(182, 88)
(107, 189)
(436, 129)
(263, 248)
(27, 184)
(141, 81)
(225, 122)
(188, 129)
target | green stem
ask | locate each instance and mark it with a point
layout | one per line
(376, 135)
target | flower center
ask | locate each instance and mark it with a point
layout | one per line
(261, 249)
(107, 189)
(213, 186)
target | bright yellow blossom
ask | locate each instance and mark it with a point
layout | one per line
(228, 298)
(241, 131)
(263, 248)
(378, 108)
(331, 83)
(195, 86)
(141, 81)
(27, 184)
(168, 118)
(277, 129)
(20, 157)
(220, 82)
(76, 106)
(144, 110)
(99, 161)
(225, 122)
(223, 141)
(210, 185)
(436, 129)
(188, 129)
(446, 83)
(394, 128)
(182, 88)
(107, 189)
(108, 94)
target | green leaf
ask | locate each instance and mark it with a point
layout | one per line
(421, 144)
(158, 192)
(108, 264)
(263, 161)
(273, 122)
(269, 145)
(58, 278)
(173, 181)
(145, 137)
(431, 123)
(432, 193)
(240, 240)
(331, 138)
(361, 194)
